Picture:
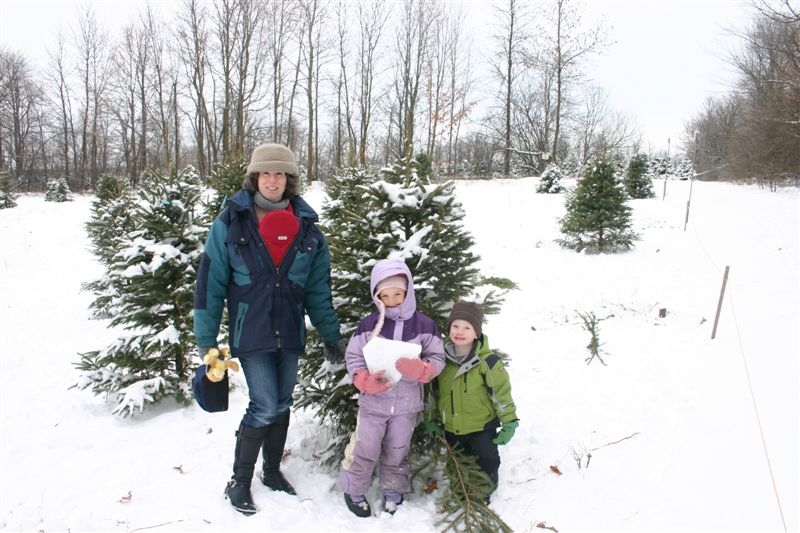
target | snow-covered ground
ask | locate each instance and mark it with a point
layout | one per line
(678, 432)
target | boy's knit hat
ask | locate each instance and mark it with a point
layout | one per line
(398, 281)
(469, 311)
(273, 157)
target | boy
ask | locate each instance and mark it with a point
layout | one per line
(474, 397)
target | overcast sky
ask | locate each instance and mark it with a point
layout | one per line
(668, 55)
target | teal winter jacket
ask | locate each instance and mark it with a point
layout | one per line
(266, 304)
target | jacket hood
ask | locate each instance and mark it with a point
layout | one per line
(392, 267)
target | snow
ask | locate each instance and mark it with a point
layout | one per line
(677, 432)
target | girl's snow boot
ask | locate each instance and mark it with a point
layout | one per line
(358, 505)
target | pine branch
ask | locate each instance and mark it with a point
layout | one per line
(464, 503)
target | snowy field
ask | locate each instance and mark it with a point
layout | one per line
(678, 432)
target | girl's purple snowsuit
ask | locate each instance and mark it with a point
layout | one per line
(386, 421)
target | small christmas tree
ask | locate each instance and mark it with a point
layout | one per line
(57, 191)
(550, 182)
(367, 219)
(225, 180)
(685, 168)
(109, 223)
(402, 215)
(637, 184)
(153, 273)
(7, 197)
(598, 218)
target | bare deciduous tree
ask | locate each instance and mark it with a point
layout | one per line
(412, 49)
(20, 100)
(93, 49)
(508, 65)
(600, 130)
(192, 41)
(567, 43)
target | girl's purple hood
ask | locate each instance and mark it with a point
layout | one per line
(391, 267)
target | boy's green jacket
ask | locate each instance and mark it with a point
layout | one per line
(473, 393)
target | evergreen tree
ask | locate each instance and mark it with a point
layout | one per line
(637, 184)
(550, 182)
(57, 191)
(225, 179)
(598, 218)
(463, 504)
(109, 222)
(659, 165)
(109, 218)
(366, 219)
(7, 198)
(154, 273)
(406, 216)
(685, 168)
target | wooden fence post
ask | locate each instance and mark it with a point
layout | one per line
(719, 303)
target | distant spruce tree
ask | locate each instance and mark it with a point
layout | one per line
(7, 197)
(550, 182)
(154, 274)
(598, 219)
(637, 183)
(58, 191)
(685, 168)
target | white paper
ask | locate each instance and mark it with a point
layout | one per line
(381, 354)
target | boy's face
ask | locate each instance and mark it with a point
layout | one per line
(462, 333)
(392, 296)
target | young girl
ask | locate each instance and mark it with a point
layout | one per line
(388, 410)
(474, 391)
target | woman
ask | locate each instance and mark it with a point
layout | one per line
(266, 257)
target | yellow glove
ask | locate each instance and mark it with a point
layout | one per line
(217, 364)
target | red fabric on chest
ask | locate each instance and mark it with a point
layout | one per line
(278, 229)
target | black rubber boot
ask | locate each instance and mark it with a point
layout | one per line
(360, 509)
(274, 443)
(248, 446)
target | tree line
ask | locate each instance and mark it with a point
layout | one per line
(358, 84)
(754, 131)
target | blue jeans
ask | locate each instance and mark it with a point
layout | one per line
(271, 377)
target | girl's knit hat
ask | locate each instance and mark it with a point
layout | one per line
(469, 311)
(398, 281)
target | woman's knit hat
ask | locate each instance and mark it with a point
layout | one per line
(469, 311)
(273, 157)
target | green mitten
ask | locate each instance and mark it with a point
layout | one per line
(506, 433)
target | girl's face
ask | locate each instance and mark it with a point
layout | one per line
(271, 185)
(392, 296)
(462, 333)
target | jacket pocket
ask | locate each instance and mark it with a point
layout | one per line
(241, 315)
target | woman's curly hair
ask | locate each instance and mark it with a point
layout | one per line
(250, 183)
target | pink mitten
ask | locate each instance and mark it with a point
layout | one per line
(371, 383)
(416, 369)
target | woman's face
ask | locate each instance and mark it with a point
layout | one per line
(271, 185)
